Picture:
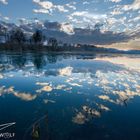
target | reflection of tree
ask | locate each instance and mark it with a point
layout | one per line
(18, 60)
(52, 58)
(39, 61)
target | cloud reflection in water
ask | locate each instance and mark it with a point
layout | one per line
(101, 77)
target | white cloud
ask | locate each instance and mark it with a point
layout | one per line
(71, 6)
(116, 11)
(134, 6)
(111, 21)
(6, 18)
(22, 95)
(80, 118)
(23, 21)
(42, 84)
(4, 1)
(61, 8)
(116, 1)
(67, 71)
(86, 2)
(67, 28)
(89, 15)
(47, 88)
(44, 11)
(87, 18)
(25, 96)
(47, 7)
(79, 13)
(1, 76)
(46, 101)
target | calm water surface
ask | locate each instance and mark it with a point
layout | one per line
(70, 97)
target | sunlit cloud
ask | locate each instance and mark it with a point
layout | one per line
(91, 111)
(79, 118)
(25, 96)
(106, 98)
(85, 115)
(134, 6)
(45, 88)
(67, 71)
(102, 107)
(22, 95)
(67, 28)
(48, 7)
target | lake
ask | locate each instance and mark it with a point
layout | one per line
(50, 96)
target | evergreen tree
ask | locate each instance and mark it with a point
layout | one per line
(17, 36)
(37, 37)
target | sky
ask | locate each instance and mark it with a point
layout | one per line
(113, 15)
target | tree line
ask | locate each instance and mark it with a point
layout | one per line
(17, 39)
(18, 36)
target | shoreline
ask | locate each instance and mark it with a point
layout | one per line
(71, 50)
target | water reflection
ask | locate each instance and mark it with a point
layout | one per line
(76, 92)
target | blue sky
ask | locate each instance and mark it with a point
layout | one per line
(115, 15)
(122, 14)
